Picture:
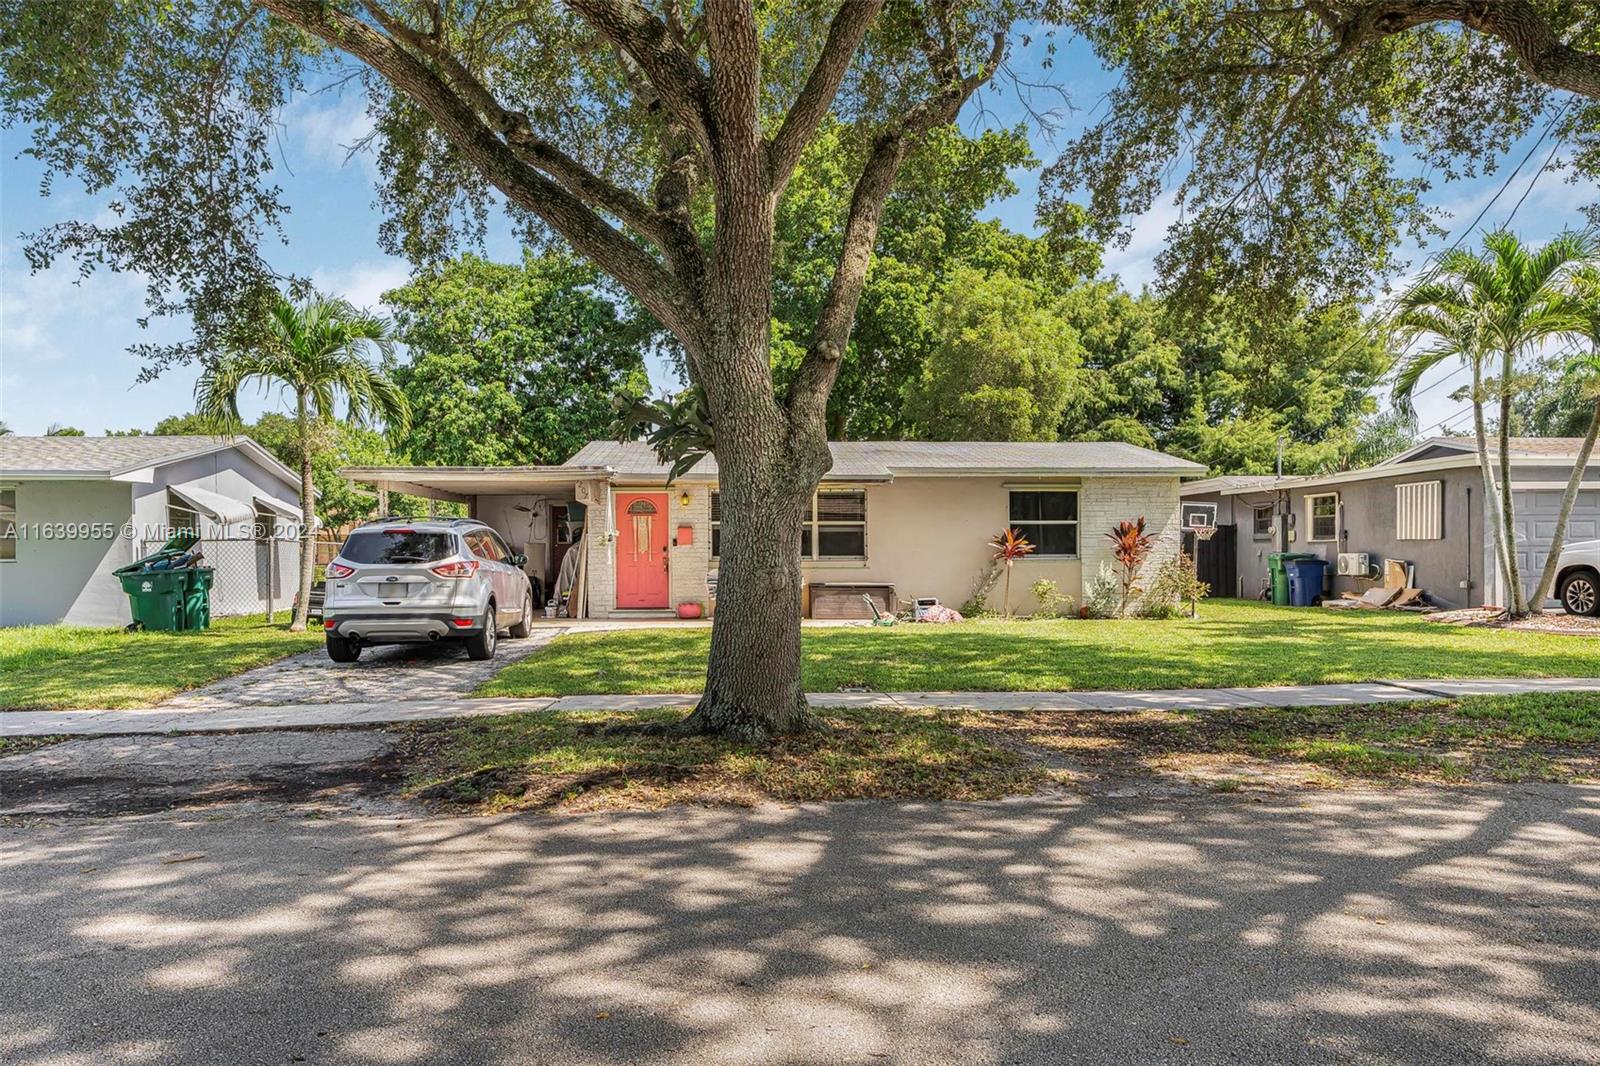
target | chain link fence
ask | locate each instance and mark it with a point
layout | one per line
(253, 576)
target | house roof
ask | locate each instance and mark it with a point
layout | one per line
(1228, 483)
(1520, 448)
(1525, 452)
(110, 457)
(883, 460)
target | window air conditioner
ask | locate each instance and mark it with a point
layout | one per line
(1354, 564)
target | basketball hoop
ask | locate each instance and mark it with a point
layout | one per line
(1203, 532)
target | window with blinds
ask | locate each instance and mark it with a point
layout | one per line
(1419, 510)
(835, 525)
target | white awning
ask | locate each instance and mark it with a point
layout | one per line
(214, 505)
(277, 506)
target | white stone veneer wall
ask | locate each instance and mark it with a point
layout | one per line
(1109, 500)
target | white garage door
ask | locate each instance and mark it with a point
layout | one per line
(1536, 525)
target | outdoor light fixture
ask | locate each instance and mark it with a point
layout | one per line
(683, 500)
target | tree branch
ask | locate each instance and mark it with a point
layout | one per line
(808, 390)
(1516, 23)
(651, 283)
(518, 132)
(648, 41)
(845, 35)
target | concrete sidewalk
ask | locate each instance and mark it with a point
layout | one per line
(300, 715)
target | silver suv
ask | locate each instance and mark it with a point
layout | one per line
(405, 581)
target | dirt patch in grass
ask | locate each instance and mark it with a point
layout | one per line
(571, 761)
(1538, 737)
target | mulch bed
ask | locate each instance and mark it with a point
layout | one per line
(1495, 618)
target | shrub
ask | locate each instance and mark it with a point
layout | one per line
(1174, 585)
(977, 605)
(1102, 593)
(1052, 603)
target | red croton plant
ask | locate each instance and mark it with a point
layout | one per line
(1130, 547)
(1008, 547)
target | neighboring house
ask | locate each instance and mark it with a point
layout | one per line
(74, 509)
(894, 520)
(1424, 506)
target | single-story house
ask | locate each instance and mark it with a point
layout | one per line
(74, 509)
(893, 520)
(1424, 507)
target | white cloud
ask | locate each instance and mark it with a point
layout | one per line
(1135, 264)
(325, 133)
(364, 282)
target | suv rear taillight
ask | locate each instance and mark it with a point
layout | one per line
(466, 569)
(340, 570)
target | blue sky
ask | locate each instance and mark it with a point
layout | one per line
(63, 341)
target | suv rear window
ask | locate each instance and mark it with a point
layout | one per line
(387, 546)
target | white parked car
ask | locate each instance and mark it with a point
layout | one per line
(408, 581)
(1578, 578)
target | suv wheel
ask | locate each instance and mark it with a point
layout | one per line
(480, 645)
(524, 626)
(1580, 593)
(342, 650)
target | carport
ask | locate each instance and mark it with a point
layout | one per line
(541, 511)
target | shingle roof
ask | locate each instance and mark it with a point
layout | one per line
(108, 456)
(881, 460)
(1523, 447)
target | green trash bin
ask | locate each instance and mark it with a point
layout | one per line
(197, 597)
(167, 599)
(155, 596)
(1280, 573)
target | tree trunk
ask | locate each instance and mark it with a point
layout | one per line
(1569, 499)
(308, 521)
(1508, 518)
(766, 473)
(1491, 498)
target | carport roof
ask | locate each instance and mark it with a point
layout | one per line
(460, 482)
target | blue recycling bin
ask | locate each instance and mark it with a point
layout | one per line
(1305, 581)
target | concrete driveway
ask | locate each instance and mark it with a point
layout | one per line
(1427, 926)
(396, 672)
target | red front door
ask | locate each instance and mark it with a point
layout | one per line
(641, 549)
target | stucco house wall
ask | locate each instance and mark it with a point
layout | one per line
(1456, 569)
(927, 536)
(67, 579)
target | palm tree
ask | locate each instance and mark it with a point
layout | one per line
(1584, 370)
(1497, 305)
(1443, 310)
(316, 351)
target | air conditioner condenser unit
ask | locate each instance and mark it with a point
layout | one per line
(1355, 564)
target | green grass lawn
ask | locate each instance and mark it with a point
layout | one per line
(572, 761)
(603, 760)
(60, 667)
(1233, 643)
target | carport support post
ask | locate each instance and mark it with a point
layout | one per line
(383, 499)
(272, 572)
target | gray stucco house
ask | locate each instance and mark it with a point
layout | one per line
(1424, 507)
(74, 509)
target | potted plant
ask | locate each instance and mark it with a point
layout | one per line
(1008, 547)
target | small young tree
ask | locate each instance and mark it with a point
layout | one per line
(1008, 547)
(314, 351)
(1130, 546)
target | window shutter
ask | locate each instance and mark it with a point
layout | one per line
(1419, 510)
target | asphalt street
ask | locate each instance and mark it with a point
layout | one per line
(1421, 926)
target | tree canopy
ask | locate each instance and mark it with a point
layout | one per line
(1274, 127)
(513, 364)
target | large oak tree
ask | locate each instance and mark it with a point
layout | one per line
(609, 123)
